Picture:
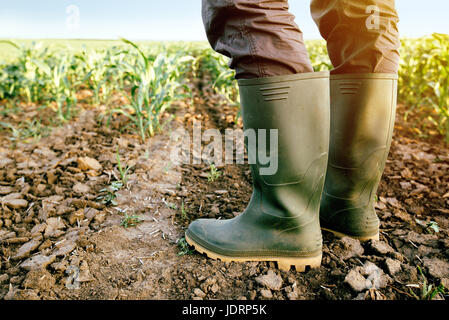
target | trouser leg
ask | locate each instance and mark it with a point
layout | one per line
(260, 37)
(362, 40)
(362, 35)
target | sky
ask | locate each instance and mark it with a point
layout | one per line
(169, 19)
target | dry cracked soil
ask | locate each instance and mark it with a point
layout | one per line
(66, 233)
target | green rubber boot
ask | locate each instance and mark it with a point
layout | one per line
(281, 222)
(363, 108)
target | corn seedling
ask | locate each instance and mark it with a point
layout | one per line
(123, 170)
(427, 291)
(430, 227)
(214, 174)
(109, 193)
(154, 88)
(183, 210)
(130, 221)
(424, 78)
(184, 248)
(170, 205)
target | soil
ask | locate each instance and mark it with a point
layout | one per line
(59, 239)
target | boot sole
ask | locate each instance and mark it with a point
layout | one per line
(360, 238)
(301, 264)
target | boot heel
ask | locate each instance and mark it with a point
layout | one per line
(300, 264)
(360, 238)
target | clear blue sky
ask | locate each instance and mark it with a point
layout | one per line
(170, 19)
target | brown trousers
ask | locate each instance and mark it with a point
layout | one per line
(262, 39)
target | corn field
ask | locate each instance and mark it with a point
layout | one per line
(152, 77)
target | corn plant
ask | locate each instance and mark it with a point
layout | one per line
(123, 170)
(424, 78)
(61, 90)
(102, 73)
(213, 174)
(22, 77)
(427, 291)
(184, 248)
(154, 85)
(319, 57)
(222, 77)
(130, 221)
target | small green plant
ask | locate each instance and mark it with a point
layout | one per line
(170, 205)
(130, 221)
(183, 210)
(108, 198)
(428, 291)
(167, 167)
(154, 87)
(27, 131)
(184, 247)
(214, 174)
(430, 227)
(122, 169)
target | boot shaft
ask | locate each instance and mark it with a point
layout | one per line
(362, 121)
(296, 107)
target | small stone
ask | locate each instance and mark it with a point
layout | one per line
(16, 280)
(65, 247)
(76, 216)
(84, 275)
(348, 247)
(90, 213)
(60, 266)
(51, 177)
(393, 266)
(381, 247)
(214, 288)
(45, 245)
(293, 295)
(215, 210)
(86, 164)
(405, 185)
(37, 262)
(53, 228)
(6, 190)
(4, 162)
(40, 188)
(100, 217)
(4, 278)
(38, 228)
(221, 192)
(265, 293)
(437, 268)
(199, 293)
(17, 240)
(376, 278)
(356, 280)
(271, 280)
(398, 256)
(6, 235)
(81, 188)
(8, 223)
(63, 209)
(26, 249)
(16, 203)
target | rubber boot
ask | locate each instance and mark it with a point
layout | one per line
(281, 222)
(363, 108)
